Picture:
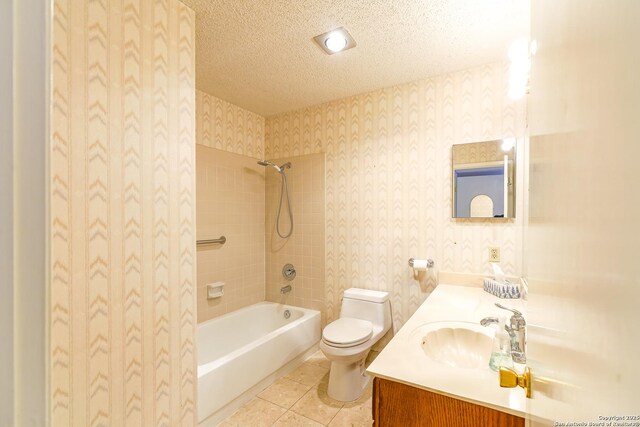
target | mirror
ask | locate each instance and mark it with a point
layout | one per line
(483, 176)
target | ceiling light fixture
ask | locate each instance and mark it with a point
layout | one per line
(335, 41)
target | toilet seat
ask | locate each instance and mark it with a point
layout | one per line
(347, 332)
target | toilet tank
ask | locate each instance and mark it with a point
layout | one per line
(366, 304)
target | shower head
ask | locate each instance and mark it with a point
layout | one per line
(266, 163)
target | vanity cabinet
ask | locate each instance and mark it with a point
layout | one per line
(397, 404)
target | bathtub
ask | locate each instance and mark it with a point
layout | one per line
(239, 350)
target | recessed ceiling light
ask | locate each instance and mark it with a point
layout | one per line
(335, 41)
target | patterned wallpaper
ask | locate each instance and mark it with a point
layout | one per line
(487, 151)
(388, 181)
(225, 126)
(122, 211)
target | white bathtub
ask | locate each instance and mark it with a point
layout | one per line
(238, 350)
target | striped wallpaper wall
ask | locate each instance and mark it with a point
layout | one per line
(388, 181)
(227, 127)
(122, 214)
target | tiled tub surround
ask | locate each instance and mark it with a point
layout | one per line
(230, 202)
(241, 353)
(305, 247)
(300, 399)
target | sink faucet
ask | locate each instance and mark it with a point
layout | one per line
(518, 334)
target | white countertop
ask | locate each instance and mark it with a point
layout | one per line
(403, 360)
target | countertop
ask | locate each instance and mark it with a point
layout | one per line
(403, 360)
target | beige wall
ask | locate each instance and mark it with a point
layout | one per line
(305, 247)
(388, 183)
(122, 214)
(6, 215)
(29, 208)
(230, 202)
(583, 232)
(225, 126)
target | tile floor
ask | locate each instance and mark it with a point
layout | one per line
(300, 399)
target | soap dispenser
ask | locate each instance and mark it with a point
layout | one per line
(501, 352)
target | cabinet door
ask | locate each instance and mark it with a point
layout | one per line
(396, 404)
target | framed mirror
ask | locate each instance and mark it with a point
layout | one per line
(483, 176)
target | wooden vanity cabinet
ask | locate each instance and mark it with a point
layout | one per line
(397, 404)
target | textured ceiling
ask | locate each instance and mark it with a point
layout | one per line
(260, 55)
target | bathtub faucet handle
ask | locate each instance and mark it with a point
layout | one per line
(289, 272)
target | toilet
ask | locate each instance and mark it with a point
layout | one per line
(365, 317)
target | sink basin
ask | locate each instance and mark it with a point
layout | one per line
(455, 344)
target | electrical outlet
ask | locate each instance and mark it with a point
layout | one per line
(494, 254)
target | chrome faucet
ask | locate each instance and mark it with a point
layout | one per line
(285, 289)
(517, 330)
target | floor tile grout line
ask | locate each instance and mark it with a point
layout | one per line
(313, 386)
(282, 415)
(336, 414)
(289, 408)
(299, 382)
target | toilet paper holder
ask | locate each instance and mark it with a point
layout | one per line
(430, 262)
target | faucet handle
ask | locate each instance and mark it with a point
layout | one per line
(517, 320)
(513, 310)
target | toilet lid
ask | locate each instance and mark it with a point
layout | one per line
(347, 332)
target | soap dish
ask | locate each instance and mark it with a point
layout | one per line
(505, 290)
(215, 290)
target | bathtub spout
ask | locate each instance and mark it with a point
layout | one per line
(285, 289)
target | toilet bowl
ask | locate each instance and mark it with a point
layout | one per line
(365, 317)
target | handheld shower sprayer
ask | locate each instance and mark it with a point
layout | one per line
(283, 188)
(266, 163)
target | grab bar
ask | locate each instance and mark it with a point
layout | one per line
(222, 240)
